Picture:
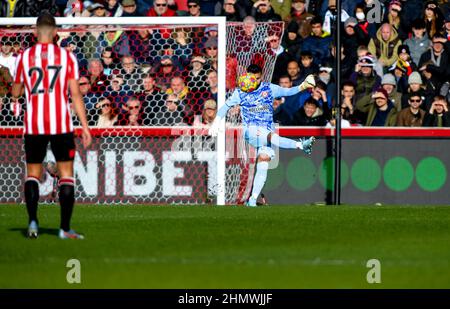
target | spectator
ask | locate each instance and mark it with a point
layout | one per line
(432, 83)
(404, 60)
(280, 114)
(117, 91)
(178, 87)
(182, 46)
(34, 8)
(293, 71)
(282, 57)
(108, 61)
(151, 98)
(164, 71)
(213, 87)
(129, 8)
(282, 8)
(108, 114)
(131, 114)
(232, 11)
(350, 39)
(262, 12)
(348, 104)
(142, 43)
(98, 10)
(97, 79)
(389, 84)
(419, 43)
(211, 51)
(364, 77)
(130, 73)
(160, 8)
(114, 8)
(7, 57)
(196, 79)
(318, 42)
(171, 113)
(301, 17)
(393, 17)
(292, 41)
(208, 115)
(433, 18)
(438, 114)
(307, 65)
(344, 122)
(117, 40)
(380, 111)
(438, 57)
(294, 103)
(194, 8)
(447, 31)
(385, 45)
(329, 20)
(368, 29)
(310, 114)
(90, 98)
(17, 11)
(413, 115)
(415, 85)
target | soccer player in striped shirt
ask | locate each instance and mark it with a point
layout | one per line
(47, 73)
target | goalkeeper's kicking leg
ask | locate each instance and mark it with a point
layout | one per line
(265, 154)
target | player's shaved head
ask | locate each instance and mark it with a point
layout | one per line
(46, 27)
(46, 20)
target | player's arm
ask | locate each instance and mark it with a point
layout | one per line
(222, 112)
(278, 91)
(78, 106)
(232, 101)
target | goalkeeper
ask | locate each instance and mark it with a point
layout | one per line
(256, 108)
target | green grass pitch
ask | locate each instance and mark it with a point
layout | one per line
(230, 247)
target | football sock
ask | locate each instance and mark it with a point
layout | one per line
(260, 178)
(66, 199)
(283, 142)
(32, 197)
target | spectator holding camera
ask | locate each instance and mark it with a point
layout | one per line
(438, 114)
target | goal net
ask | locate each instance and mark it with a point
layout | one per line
(151, 87)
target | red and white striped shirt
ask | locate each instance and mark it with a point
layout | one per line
(45, 70)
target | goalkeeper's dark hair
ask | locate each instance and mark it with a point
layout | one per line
(254, 68)
(46, 20)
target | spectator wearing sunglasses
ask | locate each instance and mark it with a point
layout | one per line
(193, 8)
(171, 113)
(107, 113)
(131, 114)
(413, 115)
(161, 8)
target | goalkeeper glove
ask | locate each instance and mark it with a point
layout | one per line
(309, 82)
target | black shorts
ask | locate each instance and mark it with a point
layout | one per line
(62, 145)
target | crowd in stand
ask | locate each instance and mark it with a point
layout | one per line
(395, 60)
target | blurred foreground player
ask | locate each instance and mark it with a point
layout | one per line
(47, 72)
